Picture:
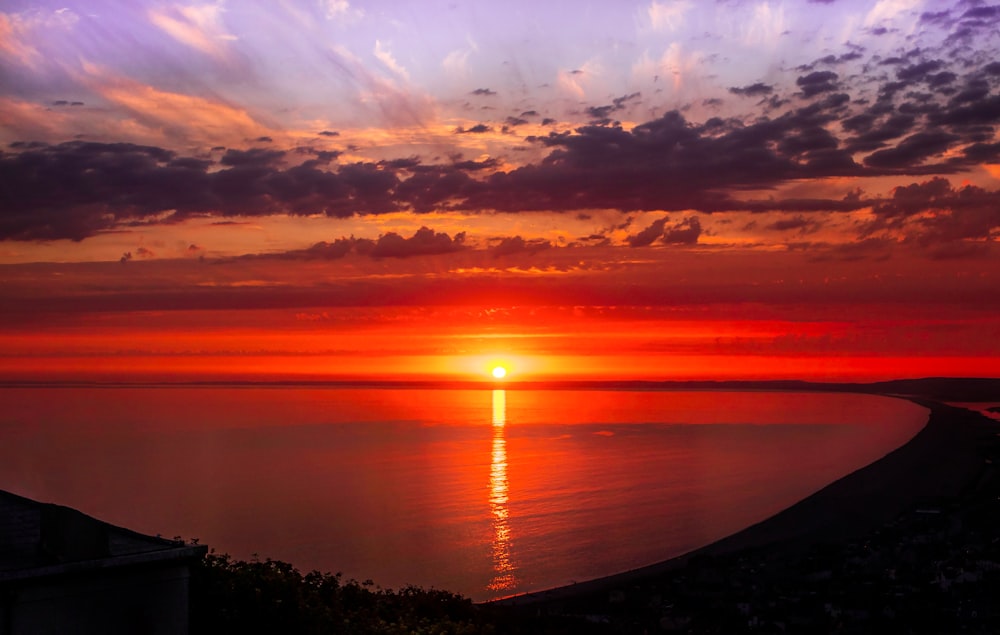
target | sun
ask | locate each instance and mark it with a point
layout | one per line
(499, 372)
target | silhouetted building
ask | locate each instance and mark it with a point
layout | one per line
(62, 571)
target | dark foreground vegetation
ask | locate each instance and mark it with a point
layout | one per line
(241, 597)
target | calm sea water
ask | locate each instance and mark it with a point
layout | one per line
(482, 492)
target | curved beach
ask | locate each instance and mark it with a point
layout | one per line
(937, 465)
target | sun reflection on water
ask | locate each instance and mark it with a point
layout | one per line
(503, 567)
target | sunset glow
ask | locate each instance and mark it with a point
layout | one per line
(349, 190)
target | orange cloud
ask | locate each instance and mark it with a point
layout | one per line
(200, 119)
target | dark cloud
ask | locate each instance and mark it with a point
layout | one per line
(328, 251)
(817, 82)
(476, 129)
(832, 60)
(982, 13)
(799, 222)
(648, 235)
(319, 251)
(859, 123)
(918, 72)
(252, 157)
(912, 151)
(758, 89)
(264, 140)
(936, 17)
(983, 152)
(973, 91)
(873, 138)
(485, 92)
(76, 189)
(513, 245)
(670, 164)
(602, 114)
(933, 212)
(425, 242)
(329, 133)
(985, 111)
(944, 78)
(686, 232)
(926, 119)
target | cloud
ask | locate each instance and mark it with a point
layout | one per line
(758, 89)
(425, 242)
(601, 114)
(817, 82)
(517, 245)
(177, 115)
(476, 129)
(456, 63)
(668, 16)
(798, 222)
(483, 92)
(384, 55)
(666, 164)
(76, 189)
(197, 26)
(252, 157)
(328, 251)
(875, 136)
(913, 150)
(918, 72)
(935, 212)
(686, 232)
(19, 34)
(341, 11)
(394, 106)
(648, 235)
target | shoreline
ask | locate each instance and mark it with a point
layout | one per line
(937, 465)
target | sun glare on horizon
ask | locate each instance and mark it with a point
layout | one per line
(499, 372)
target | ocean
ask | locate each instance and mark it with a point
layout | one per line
(481, 492)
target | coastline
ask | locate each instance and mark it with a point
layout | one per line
(940, 463)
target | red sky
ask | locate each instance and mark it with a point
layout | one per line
(654, 190)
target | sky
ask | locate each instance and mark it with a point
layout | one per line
(313, 189)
